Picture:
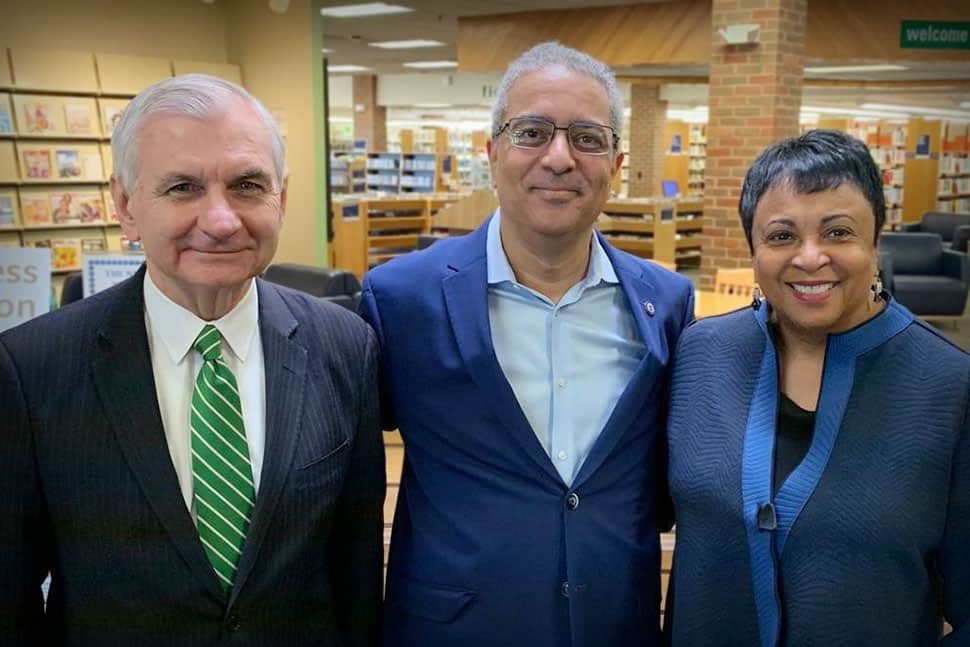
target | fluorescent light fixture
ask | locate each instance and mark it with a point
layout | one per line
(363, 10)
(341, 120)
(407, 44)
(431, 65)
(326, 51)
(347, 68)
(855, 112)
(918, 110)
(432, 105)
(848, 69)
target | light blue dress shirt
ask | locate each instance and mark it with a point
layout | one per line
(567, 362)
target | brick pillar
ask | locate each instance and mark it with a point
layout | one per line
(755, 97)
(370, 119)
(647, 116)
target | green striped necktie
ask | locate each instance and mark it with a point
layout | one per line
(221, 472)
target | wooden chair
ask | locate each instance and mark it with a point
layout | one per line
(739, 281)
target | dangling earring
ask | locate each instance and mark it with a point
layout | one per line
(876, 288)
(756, 298)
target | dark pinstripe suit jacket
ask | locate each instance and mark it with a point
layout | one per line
(88, 491)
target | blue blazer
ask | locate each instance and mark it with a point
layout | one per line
(490, 547)
(867, 542)
(88, 491)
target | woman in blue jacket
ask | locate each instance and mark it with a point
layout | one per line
(819, 440)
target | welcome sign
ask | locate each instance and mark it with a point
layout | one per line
(934, 34)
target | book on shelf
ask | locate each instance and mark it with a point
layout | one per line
(37, 163)
(8, 216)
(111, 115)
(76, 207)
(68, 164)
(38, 118)
(65, 252)
(35, 209)
(6, 122)
(77, 117)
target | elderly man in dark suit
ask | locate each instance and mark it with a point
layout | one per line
(193, 455)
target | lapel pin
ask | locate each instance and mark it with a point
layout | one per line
(648, 306)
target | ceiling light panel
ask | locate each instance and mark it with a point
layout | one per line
(849, 69)
(431, 65)
(347, 68)
(407, 44)
(364, 10)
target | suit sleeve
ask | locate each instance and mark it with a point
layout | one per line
(663, 504)
(24, 534)
(370, 313)
(357, 546)
(955, 554)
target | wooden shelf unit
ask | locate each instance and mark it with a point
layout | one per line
(369, 231)
(660, 229)
(953, 191)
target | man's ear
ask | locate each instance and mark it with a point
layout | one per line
(120, 198)
(492, 151)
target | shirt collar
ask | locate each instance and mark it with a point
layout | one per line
(499, 270)
(178, 327)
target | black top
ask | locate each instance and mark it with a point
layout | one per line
(794, 435)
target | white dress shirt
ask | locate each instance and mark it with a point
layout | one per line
(567, 362)
(171, 331)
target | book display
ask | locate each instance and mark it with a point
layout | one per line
(57, 114)
(953, 192)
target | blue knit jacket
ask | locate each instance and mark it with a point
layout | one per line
(867, 542)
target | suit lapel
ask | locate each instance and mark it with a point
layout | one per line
(466, 298)
(285, 362)
(639, 292)
(125, 383)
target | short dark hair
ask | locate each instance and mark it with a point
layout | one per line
(819, 160)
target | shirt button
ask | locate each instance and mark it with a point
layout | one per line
(561, 382)
(572, 501)
(561, 455)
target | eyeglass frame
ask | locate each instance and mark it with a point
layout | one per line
(615, 137)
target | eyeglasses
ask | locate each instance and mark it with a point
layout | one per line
(534, 133)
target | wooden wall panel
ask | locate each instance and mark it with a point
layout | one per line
(6, 79)
(678, 32)
(856, 30)
(656, 33)
(54, 69)
(129, 75)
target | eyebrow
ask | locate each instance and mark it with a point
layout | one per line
(254, 174)
(825, 220)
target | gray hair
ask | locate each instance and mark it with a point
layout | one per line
(191, 95)
(550, 54)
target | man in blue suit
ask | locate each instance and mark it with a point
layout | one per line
(194, 454)
(525, 365)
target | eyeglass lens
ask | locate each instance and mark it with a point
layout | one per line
(535, 133)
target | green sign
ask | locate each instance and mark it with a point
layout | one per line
(930, 34)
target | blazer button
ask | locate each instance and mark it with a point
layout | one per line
(572, 501)
(564, 589)
(232, 623)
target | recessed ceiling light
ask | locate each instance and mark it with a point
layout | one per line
(407, 44)
(846, 69)
(363, 10)
(431, 65)
(918, 110)
(347, 68)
